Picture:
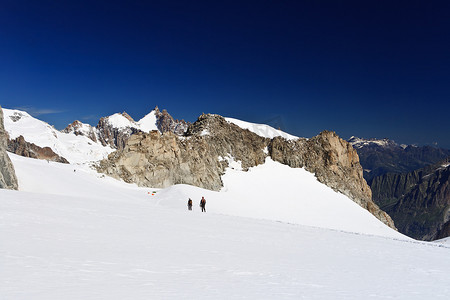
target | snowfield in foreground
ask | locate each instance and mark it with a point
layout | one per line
(81, 236)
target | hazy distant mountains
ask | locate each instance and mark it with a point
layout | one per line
(383, 156)
(418, 201)
(410, 183)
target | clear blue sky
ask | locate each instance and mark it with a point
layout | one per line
(364, 68)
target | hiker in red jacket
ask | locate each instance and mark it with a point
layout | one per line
(203, 204)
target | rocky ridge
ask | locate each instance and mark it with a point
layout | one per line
(115, 137)
(20, 147)
(8, 179)
(166, 123)
(334, 162)
(418, 201)
(79, 128)
(113, 132)
(201, 156)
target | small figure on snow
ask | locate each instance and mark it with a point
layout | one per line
(203, 204)
(190, 204)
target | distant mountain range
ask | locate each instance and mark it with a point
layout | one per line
(381, 156)
(80, 142)
(410, 183)
(418, 201)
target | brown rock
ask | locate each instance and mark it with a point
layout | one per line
(20, 147)
(8, 179)
(116, 138)
(161, 160)
(334, 162)
(76, 128)
(166, 123)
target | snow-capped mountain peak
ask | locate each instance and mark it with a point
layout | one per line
(262, 129)
(359, 142)
(148, 122)
(121, 121)
(78, 128)
(74, 145)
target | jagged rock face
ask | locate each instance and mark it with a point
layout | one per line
(109, 134)
(166, 123)
(229, 140)
(162, 160)
(20, 147)
(200, 158)
(334, 162)
(114, 137)
(79, 128)
(418, 201)
(444, 231)
(8, 179)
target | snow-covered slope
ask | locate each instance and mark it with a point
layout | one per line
(261, 129)
(443, 241)
(74, 142)
(119, 121)
(271, 191)
(76, 149)
(76, 235)
(146, 124)
(274, 191)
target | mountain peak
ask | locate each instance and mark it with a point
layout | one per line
(372, 142)
(127, 116)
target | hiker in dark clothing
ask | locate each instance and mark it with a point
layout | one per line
(203, 204)
(190, 204)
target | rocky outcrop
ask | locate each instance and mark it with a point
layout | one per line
(443, 232)
(113, 134)
(116, 138)
(79, 128)
(201, 156)
(334, 162)
(162, 160)
(166, 123)
(20, 147)
(418, 201)
(8, 179)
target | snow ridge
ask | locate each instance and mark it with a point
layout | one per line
(74, 148)
(262, 129)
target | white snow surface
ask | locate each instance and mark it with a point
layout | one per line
(443, 241)
(79, 235)
(148, 122)
(84, 128)
(119, 121)
(76, 149)
(262, 129)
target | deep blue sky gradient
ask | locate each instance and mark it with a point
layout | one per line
(365, 68)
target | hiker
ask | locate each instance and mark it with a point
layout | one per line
(190, 204)
(203, 204)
